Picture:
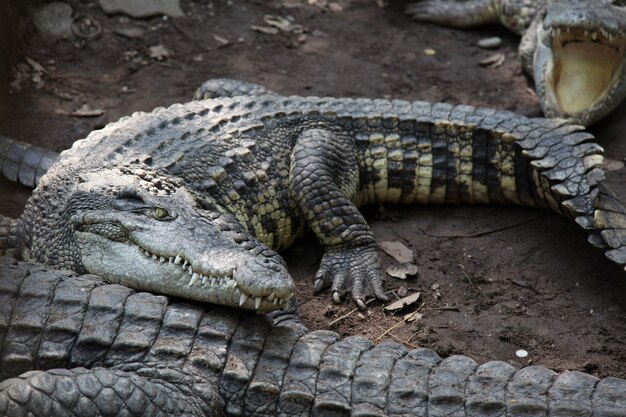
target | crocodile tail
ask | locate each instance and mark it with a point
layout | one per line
(609, 219)
(571, 180)
(24, 163)
(9, 237)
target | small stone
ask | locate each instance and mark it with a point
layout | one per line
(521, 353)
(142, 8)
(54, 20)
(429, 51)
(490, 43)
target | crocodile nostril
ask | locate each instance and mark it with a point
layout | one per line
(269, 263)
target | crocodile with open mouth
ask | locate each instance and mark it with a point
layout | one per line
(574, 49)
(193, 200)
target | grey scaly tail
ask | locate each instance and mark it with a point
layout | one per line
(24, 163)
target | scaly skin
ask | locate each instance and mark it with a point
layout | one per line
(574, 49)
(75, 346)
(222, 183)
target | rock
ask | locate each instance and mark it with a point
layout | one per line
(490, 43)
(142, 8)
(54, 20)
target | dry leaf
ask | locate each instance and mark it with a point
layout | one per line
(222, 41)
(397, 251)
(416, 315)
(493, 61)
(402, 271)
(403, 302)
(87, 111)
(265, 29)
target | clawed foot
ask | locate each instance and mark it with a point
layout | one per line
(356, 270)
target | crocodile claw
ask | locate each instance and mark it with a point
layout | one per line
(354, 270)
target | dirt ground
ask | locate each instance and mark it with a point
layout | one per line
(493, 280)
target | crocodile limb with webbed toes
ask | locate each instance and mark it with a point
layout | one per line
(195, 199)
(75, 346)
(574, 49)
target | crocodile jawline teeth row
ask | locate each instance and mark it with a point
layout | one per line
(220, 280)
(212, 279)
(272, 298)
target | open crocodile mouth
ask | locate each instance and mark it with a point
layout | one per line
(220, 282)
(587, 65)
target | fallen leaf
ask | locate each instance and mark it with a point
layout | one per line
(159, 52)
(36, 66)
(397, 251)
(402, 271)
(87, 111)
(222, 41)
(403, 302)
(413, 316)
(265, 29)
(493, 61)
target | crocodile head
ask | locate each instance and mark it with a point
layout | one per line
(579, 67)
(144, 231)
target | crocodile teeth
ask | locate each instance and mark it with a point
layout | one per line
(275, 301)
(257, 302)
(154, 257)
(270, 297)
(161, 259)
(594, 36)
(213, 280)
(177, 260)
(242, 299)
(185, 264)
(204, 279)
(194, 278)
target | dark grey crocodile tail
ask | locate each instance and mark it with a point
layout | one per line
(24, 163)
(9, 240)
(609, 220)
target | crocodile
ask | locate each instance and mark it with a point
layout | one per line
(76, 346)
(574, 49)
(196, 199)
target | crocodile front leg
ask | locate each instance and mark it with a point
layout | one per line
(102, 392)
(324, 180)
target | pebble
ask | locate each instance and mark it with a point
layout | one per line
(490, 43)
(54, 20)
(142, 8)
(521, 353)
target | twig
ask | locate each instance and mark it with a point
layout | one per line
(397, 339)
(337, 320)
(404, 320)
(486, 232)
(442, 308)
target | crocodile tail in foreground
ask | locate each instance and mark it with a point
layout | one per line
(24, 163)
(77, 346)
(610, 225)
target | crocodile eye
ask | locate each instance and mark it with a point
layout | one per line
(160, 213)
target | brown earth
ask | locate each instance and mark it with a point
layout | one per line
(492, 280)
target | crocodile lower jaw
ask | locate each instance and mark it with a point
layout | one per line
(587, 66)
